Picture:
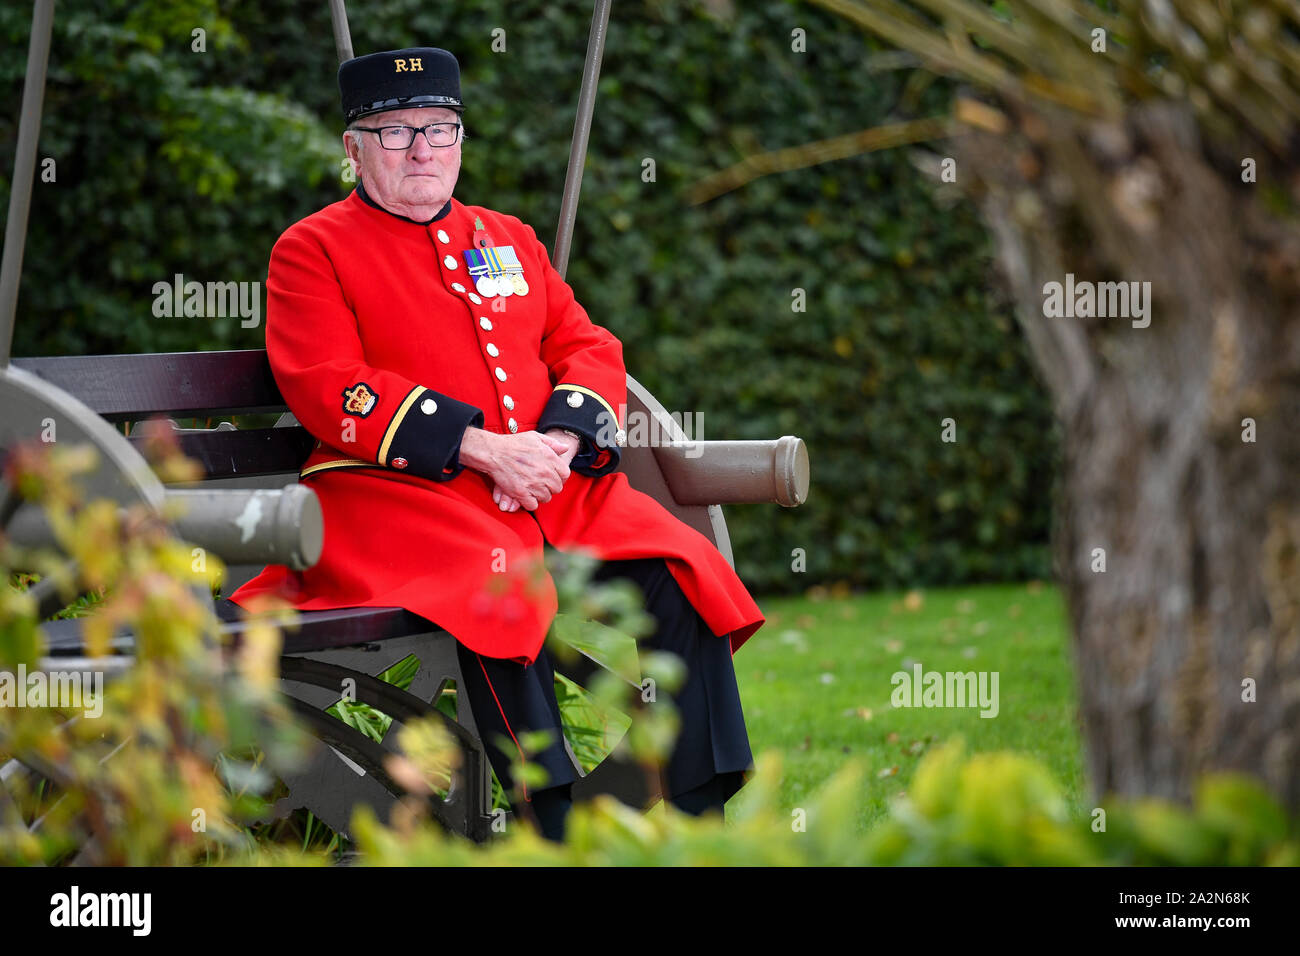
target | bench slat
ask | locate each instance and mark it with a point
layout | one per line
(319, 630)
(247, 453)
(177, 384)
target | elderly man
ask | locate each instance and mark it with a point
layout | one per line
(466, 411)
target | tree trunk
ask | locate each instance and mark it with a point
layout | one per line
(1200, 528)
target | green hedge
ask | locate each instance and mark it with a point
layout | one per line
(174, 161)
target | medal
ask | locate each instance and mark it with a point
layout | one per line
(511, 271)
(496, 270)
(481, 272)
(481, 262)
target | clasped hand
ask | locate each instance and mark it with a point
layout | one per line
(526, 468)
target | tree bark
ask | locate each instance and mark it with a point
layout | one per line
(1201, 529)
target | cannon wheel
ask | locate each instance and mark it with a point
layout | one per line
(35, 408)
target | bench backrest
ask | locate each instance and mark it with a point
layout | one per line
(127, 388)
(130, 388)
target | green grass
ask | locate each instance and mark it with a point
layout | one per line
(818, 721)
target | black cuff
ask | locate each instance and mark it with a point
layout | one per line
(593, 421)
(424, 436)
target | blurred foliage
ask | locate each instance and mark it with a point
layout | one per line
(141, 768)
(171, 161)
(1235, 64)
(998, 809)
(123, 787)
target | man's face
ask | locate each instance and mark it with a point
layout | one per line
(399, 179)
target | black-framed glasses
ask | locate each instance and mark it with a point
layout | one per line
(437, 135)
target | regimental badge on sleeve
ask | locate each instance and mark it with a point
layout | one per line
(359, 400)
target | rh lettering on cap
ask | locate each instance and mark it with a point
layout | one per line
(410, 65)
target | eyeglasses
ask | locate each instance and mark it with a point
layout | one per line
(437, 135)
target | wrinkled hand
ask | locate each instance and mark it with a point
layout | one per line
(526, 469)
(555, 437)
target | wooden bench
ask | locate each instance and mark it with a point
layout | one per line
(83, 394)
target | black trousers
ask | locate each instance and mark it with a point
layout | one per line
(712, 747)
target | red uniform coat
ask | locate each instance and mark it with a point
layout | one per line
(385, 353)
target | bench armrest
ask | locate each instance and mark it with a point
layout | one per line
(736, 472)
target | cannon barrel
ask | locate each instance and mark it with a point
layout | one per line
(736, 472)
(279, 526)
(241, 526)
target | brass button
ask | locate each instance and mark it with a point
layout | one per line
(575, 399)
